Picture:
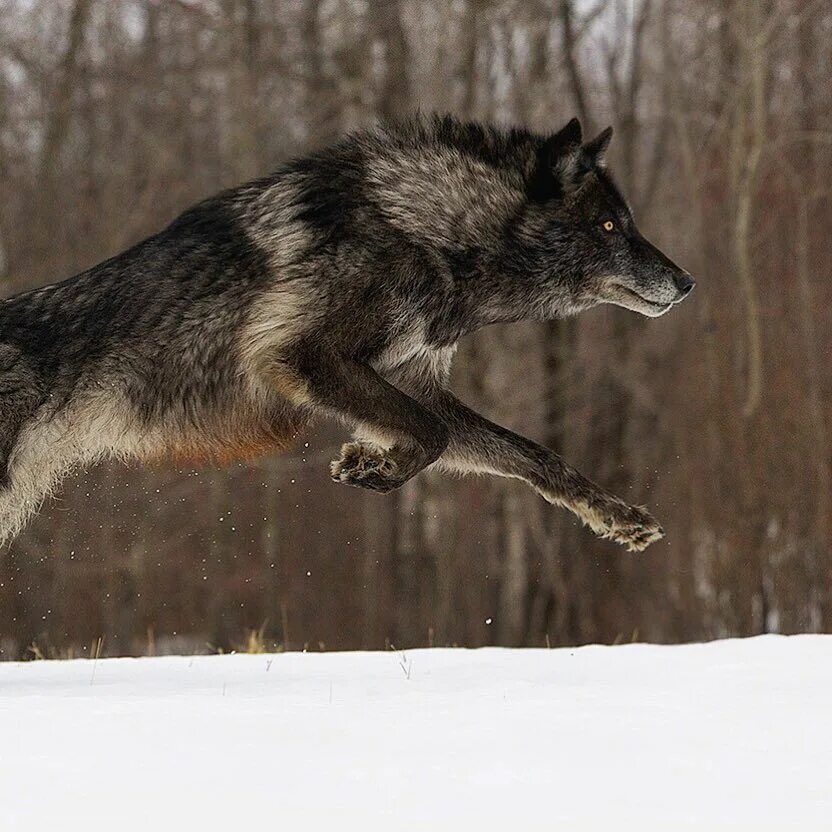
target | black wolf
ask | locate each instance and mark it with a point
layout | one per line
(337, 286)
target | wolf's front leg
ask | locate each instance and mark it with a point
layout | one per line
(401, 436)
(478, 446)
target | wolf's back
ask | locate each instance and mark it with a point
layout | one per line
(136, 357)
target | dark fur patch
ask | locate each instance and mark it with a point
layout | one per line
(161, 317)
(331, 192)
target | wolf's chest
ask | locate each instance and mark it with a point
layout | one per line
(405, 346)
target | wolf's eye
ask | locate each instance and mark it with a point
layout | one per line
(609, 225)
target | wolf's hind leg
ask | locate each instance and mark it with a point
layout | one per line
(10, 430)
(20, 397)
(6, 446)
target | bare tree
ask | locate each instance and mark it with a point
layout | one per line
(115, 117)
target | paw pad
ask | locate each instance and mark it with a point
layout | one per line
(365, 468)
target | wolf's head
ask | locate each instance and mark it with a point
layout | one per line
(579, 233)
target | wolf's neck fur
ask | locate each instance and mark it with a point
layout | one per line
(449, 185)
(458, 189)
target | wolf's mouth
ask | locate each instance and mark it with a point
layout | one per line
(640, 298)
(622, 295)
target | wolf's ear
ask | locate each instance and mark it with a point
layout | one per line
(566, 140)
(569, 135)
(597, 147)
(557, 161)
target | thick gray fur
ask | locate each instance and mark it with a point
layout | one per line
(337, 286)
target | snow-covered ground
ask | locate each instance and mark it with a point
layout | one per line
(727, 735)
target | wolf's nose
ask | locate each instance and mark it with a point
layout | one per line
(684, 283)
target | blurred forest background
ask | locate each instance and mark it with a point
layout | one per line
(115, 116)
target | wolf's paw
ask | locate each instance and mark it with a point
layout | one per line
(365, 468)
(631, 526)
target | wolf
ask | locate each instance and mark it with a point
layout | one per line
(337, 287)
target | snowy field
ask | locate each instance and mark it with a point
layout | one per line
(727, 735)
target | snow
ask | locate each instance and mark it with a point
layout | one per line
(727, 735)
